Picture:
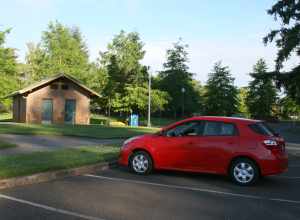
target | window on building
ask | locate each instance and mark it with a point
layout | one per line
(64, 87)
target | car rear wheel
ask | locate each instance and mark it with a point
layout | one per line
(141, 162)
(244, 172)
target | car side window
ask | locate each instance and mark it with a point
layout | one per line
(212, 128)
(186, 129)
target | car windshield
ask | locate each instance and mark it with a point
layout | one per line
(262, 128)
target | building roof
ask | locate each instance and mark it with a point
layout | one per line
(47, 81)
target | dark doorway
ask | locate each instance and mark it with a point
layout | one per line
(70, 111)
(47, 111)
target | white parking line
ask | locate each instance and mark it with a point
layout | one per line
(49, 208)
(194, 189)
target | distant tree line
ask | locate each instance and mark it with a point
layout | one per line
(120, 77)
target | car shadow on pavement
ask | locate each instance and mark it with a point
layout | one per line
(200, 179)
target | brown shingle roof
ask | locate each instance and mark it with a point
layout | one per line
(51, 79)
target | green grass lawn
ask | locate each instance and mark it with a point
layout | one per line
(5, 145)
(94, 131)
(5, 117)
(155, 121)
(27, 164)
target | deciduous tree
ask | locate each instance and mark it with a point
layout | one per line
(61, 50)
(8, 71)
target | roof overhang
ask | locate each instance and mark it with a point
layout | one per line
(45, 82)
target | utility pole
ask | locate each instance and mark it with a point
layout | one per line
(183, 91)
(149, 101)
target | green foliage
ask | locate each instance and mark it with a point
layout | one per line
(8, 57)
(288, 108)
(135, 100)
(8, 71)
(221, 94)
(62, 50)
(123, 57)
(6, 145)
(287, 39)
(178, 82)
(28, 164)
(93, 131)
(126, 89)
(261, 96)
(242, 107)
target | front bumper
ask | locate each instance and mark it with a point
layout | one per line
(123, 157)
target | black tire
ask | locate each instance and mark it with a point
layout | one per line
(244, 172)
(137, 166)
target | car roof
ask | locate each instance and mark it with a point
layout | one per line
(224, 119)
(215, 118)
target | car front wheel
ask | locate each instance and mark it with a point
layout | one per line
(141, 162)
(244, 172)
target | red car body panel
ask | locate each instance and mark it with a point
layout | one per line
(209, 154)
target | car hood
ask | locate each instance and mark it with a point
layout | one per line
(140, 138)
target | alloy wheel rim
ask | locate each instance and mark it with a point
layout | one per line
(243, 172)
(140, 163)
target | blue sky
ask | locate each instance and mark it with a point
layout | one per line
(230, 31)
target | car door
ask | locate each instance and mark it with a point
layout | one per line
(172, 147)
(211, 150)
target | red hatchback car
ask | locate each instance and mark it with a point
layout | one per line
(240, 148)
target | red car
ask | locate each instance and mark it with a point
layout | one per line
(240, 148)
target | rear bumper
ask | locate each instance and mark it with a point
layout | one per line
(276, 165)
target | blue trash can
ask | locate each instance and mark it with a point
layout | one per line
(134, 120)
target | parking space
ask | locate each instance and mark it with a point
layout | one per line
(117, 194)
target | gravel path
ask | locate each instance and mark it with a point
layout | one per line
(33, 143)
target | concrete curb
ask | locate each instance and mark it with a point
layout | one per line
(53, 175)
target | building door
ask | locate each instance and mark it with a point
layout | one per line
(47, 111)
(70, 111)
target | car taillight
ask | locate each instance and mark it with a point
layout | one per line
(271, 144)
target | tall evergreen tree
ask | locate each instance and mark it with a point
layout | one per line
(221, 94)
(261, 96)
(178, 82)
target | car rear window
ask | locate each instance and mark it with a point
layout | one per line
(262, 128)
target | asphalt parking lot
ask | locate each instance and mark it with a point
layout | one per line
(117, 194)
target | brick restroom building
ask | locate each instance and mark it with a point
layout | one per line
(59, 100)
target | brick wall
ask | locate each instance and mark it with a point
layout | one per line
(58, 96)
